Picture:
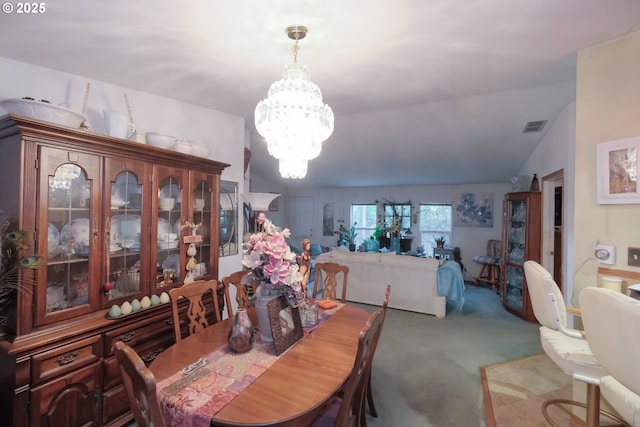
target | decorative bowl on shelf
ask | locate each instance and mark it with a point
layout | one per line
(199, 149)
(160, 140)
(183, 146)
(169, 244)
(79, 229)
(43, 111)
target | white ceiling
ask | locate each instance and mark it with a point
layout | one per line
(423, 91)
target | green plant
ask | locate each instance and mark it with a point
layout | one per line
(441, 240)
(348, 234)
(377, 233)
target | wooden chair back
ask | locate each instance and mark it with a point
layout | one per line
(369, 401)
(354, 389)
(331, 272)
(140, 386)
(194, 293)
(242, 293)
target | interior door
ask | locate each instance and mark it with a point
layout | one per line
(300, 215)
(553, 225)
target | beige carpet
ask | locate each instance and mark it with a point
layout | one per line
(514, 391)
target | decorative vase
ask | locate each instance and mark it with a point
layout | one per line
(440, 244)
(535, 185)
(241, 332)
(395, 245)
(352, 247)
(264, 294)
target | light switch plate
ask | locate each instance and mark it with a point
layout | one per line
(634, 257)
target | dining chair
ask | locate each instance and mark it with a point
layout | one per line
(332, 272)
(610, 320)
(242, 293)
(140, 386)
(372, 407)
(347, 410)
(566, 347)
(195, 293)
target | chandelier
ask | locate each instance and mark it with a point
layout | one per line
(293, 119)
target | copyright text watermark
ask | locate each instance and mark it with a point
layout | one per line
(24, 8)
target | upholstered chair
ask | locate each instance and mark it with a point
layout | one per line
(566, 347)
(611, 320)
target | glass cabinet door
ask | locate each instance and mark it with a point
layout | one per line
(516, 221)
(125, 204)
(69, 185)
(202, 217)
(171, 213)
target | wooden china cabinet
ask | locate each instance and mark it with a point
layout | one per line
(109, 218)
(521, 241)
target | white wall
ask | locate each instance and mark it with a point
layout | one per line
(555, 152)
(222, 133)
(472, 241)
(607, 108)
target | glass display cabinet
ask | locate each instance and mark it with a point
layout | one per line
(109, 219)
(521, 240)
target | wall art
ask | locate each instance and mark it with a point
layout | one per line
(473, 210)
(617, 171)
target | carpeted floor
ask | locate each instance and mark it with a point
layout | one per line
(514, 391)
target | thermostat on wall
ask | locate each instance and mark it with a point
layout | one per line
(605, 254)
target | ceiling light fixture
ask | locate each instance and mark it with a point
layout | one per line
(293, 119)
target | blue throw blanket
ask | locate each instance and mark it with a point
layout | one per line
(451, 283)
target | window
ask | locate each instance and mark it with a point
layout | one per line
(397, 215)
(365, 217)
(435, 221)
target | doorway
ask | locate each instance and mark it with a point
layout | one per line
(300, 217)
(553, 225)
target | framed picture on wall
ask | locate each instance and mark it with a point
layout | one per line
(617, 171)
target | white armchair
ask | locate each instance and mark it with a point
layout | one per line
(611, 322)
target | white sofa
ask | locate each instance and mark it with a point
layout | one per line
(413, 280)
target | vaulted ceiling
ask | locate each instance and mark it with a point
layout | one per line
(423, 91)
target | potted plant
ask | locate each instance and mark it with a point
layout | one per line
(440, 242)
(348, 236)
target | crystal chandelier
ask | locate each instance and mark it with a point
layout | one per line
(293, 119)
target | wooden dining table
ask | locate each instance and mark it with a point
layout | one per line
(300, 383)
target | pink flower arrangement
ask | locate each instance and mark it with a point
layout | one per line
(269, 257)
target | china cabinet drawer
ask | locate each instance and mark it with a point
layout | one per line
(62, 360)
(134, 335)
(147, 351)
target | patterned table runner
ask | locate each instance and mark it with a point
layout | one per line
(192, 396)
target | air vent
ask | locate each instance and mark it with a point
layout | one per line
(535, 126)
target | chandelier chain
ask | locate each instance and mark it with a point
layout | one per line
(295, 51)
